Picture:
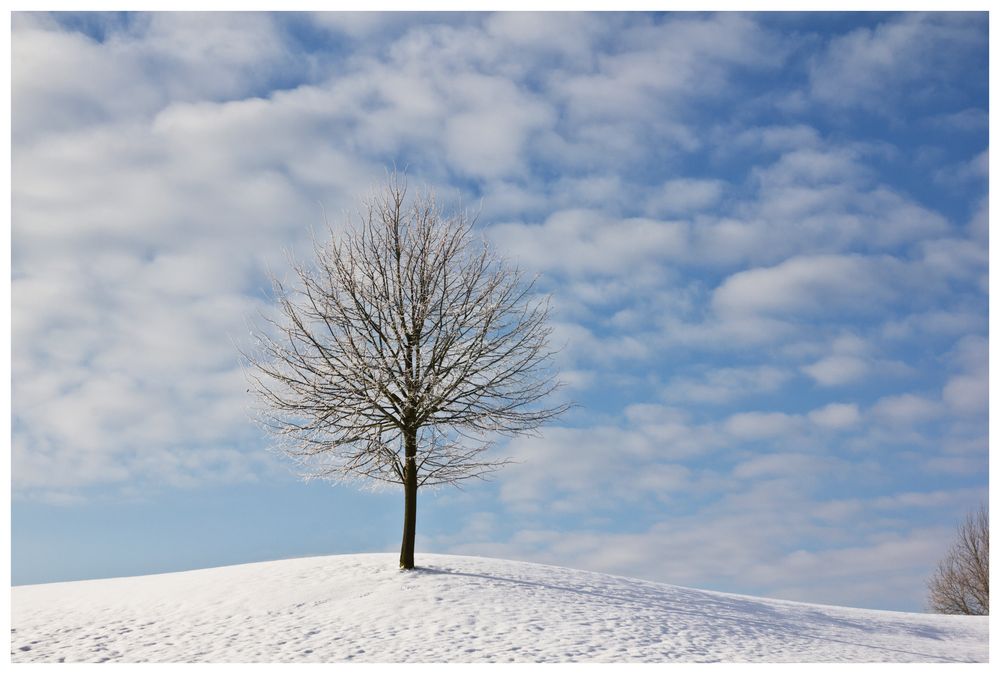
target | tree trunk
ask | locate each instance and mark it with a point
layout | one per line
(410, 507)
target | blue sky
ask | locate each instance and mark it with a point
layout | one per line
(765, 236)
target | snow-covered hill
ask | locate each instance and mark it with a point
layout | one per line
(459, 609)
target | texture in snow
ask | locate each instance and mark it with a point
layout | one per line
(458, 609)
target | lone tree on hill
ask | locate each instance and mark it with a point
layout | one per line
(961, 583)
(402, 352)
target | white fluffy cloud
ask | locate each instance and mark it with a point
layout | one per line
(485, 137)
(579, 242)
(807, 285)
(685, 195)
(723, 385)
(754, 425)
(836, 415)
(746, 541)
(837, 370)
(65, 80)
(906, 409)
(141, 236)
(967, 392)
(607, 466)
(910, 57)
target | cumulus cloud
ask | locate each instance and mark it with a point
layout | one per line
(579, 242)
(837, 370)
(969, 119)
(906, 409)
(836, 415)
(684, 195)
(723, 385)
(753, 425)
(64, 80)
(571, 35)
(849, 360)
(485, 136)
(807, 285)
(903, 57)
(701, 53)
(958, 260)
(967, 392)
(776, 138)
(814, 197)
(140, 242)
(748, 541)
(608, 466)
(813, 167)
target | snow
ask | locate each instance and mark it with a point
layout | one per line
(453, 609)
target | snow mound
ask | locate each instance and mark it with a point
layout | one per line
(453, 609)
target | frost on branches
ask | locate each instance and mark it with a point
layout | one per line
(403, 350)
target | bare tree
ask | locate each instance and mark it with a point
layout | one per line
(403, 352)
(961, 583)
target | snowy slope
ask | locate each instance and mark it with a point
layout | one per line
(464, 609)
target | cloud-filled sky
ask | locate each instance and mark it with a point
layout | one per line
(765, 237)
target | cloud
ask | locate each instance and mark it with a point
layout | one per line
(837, 370)
(684, 195)
(850, 360)
(936, 322)
(806, 166)
(957, 260)
(970, 353)
(836, 415)
(775, 138)
(747, 541)
(145, 377)
(723, 385)
(567, 34)
(903, 559)
(580, 242)
(906, 409)
(754, 425)
(972, 170)
(910, 57)
(806, 193)
(701, 53)
(140, 242)
(606, 467)
(967, 120)
(826, 203)
(807, 285)
(484, 137)
(65, 80)
(957, 499)
(780, 464)
(967, 393)
(135, 268)
(368, 29)
(979, 224)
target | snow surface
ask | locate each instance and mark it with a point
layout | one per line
(453, 609)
